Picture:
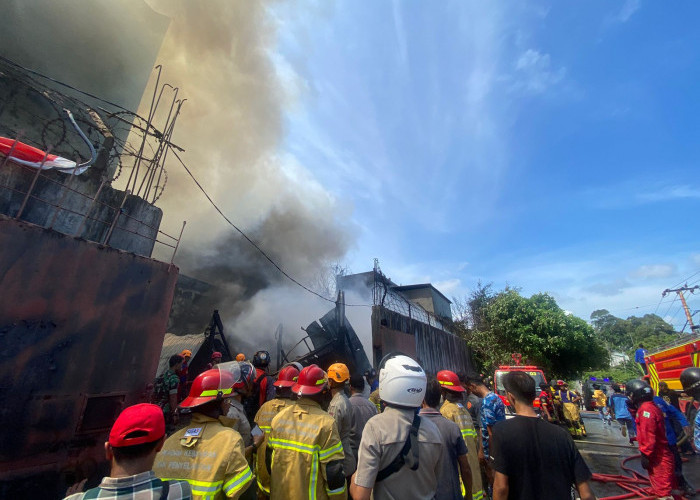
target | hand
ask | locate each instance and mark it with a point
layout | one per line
(482, 457)
(257, 440)
(76, 488)
(176, 418)
(645, 462)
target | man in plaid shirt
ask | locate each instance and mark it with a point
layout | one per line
(136, 437)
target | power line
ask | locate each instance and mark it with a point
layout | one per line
(260, 250)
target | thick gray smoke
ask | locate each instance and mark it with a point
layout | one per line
(218, 53)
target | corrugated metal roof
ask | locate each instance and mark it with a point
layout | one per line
(175, 344)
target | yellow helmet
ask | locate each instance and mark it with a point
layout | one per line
(338, 372)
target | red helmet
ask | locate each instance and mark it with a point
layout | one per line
(449, 380)
(312, 380)
(216, 355)
(209, 386)
(287, 376)
(561, 382)
(246, 378)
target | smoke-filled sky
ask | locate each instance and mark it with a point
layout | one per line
(549, 146)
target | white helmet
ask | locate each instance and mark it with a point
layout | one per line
(401, 381)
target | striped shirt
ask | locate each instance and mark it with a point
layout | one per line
(143, 486)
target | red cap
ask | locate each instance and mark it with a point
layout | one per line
(144, 419)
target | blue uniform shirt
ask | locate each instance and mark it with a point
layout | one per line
(492, 410)
(618, 402)
(671, 413)
(697, 431)
(639, 355)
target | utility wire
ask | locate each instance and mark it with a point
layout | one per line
(262, 252)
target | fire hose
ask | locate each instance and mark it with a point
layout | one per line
(636, 484)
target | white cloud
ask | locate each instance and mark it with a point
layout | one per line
(639, 192)
(534, 72)
(654, 271)
(628, 10)
(449, 287)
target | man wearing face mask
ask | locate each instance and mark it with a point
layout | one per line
(207, 454)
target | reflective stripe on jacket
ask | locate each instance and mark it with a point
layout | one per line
(460, 415)
(207, 455)
(304, 438)
(263, 418)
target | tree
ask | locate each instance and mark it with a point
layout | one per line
(626, 334)
(506, 322)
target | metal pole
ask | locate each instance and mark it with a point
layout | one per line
(92, 204)
(31, 187)
(116, 218)
(9, 153)
(63, 196)
(178, 243)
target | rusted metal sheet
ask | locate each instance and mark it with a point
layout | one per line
(81, 331)
(433, 348)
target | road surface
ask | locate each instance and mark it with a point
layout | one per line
(604, 448)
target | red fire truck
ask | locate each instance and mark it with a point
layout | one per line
(535, 372)
(666, 364)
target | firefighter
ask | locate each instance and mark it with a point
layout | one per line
(571, 412)
(182, 391)
(283, 386)
(341, 410)
(547, 403)
(207, 454)
(238, 420)
(400, 452)
(453, 409)
(216, 357)
(304, 454)
(651, 436)
(263, 388)
(690, 379)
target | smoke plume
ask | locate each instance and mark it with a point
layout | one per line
(218, 53)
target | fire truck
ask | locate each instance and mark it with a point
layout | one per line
(535, 372)
(666, 364)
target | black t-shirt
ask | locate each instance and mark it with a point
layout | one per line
(539, 458)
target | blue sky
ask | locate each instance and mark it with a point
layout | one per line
(549, 145)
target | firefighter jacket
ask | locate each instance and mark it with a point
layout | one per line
(341, 410)
(460, 415)
(651, 436)
(263, 418)
(207, 455)
(307, 454)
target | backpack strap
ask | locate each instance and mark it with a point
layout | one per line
(411, 445)
(166, 489)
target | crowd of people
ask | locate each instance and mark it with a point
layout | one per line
(318, 434)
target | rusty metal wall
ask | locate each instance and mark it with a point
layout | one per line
(81, 330)
(433, 348)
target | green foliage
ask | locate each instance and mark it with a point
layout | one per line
(625, 335)
(496, 325)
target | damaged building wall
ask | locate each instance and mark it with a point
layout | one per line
(81, 330)
(433, 348)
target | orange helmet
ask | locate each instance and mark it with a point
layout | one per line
(312, 380)
(338, 372)
(287, 376)
(210, 385)
(450, 381)
(186, 353)
(240, 357)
